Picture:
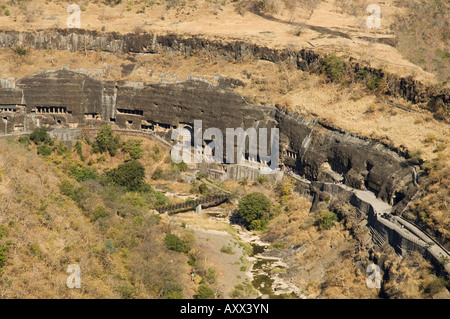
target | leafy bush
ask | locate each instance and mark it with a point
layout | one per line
(373, 83)
(160, 198)
(129, 175)
(192, 260)
(254, 209)
(133, 148)
(227, 250)
(79, 149)
(180, 167)
(201, 175)
(258, 224)
(156, 152)
(3, 256)
(211, 275)
(81, 173)
(44, 150)
(414, 157)
(203, 189)
(127, 291)
(67, 188)
(158, 173)
(439, 108)
(106, 141)
(244, 290)
(173, 294)
(327, 220)
(262, 179)
(25, 140)
(284, 189)
(362, 74)
(205, 292)
(20, 51)
(62, 149)
(435, 286)
(100, 212)
(333, 67)
(173, 242)
(39, 135)
(109, 245)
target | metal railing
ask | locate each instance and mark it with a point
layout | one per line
(208, 201)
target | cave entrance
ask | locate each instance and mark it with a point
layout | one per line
(373, 187)
(340, 165)
(398, 197)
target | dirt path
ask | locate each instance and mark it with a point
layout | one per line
(228, 266)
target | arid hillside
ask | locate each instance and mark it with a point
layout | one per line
(326, 60)
(333, 25)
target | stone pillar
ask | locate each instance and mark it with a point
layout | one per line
(198, 209)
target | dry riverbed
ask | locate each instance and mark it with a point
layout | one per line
(248, 264)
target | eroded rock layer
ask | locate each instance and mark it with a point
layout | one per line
(64, 98)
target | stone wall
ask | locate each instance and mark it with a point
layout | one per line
(389, 227)
(239, 172)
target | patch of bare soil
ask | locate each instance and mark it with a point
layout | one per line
(227, 264)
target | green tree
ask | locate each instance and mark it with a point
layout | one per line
(67, 188)
(254, 209)
(211, 275)
(333, 66)
(158, 173)
(180, 167)
(79, 148)
(129, 175)
(173, 242)
(100, 212)
(205, 292)
(327, 219)
(106, 141)
(203, 189)
(44, 150)
(133, 148)
(81, 173)
(39, 135)
(20, 50)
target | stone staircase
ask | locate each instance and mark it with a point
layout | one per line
(377, 238)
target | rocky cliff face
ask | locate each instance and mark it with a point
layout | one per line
(313, 149)
(64, 98)
(308, 60)
(73, 98)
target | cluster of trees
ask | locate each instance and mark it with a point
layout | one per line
(255, 210)
(129, 175)
(108, 142)
(40, 137)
